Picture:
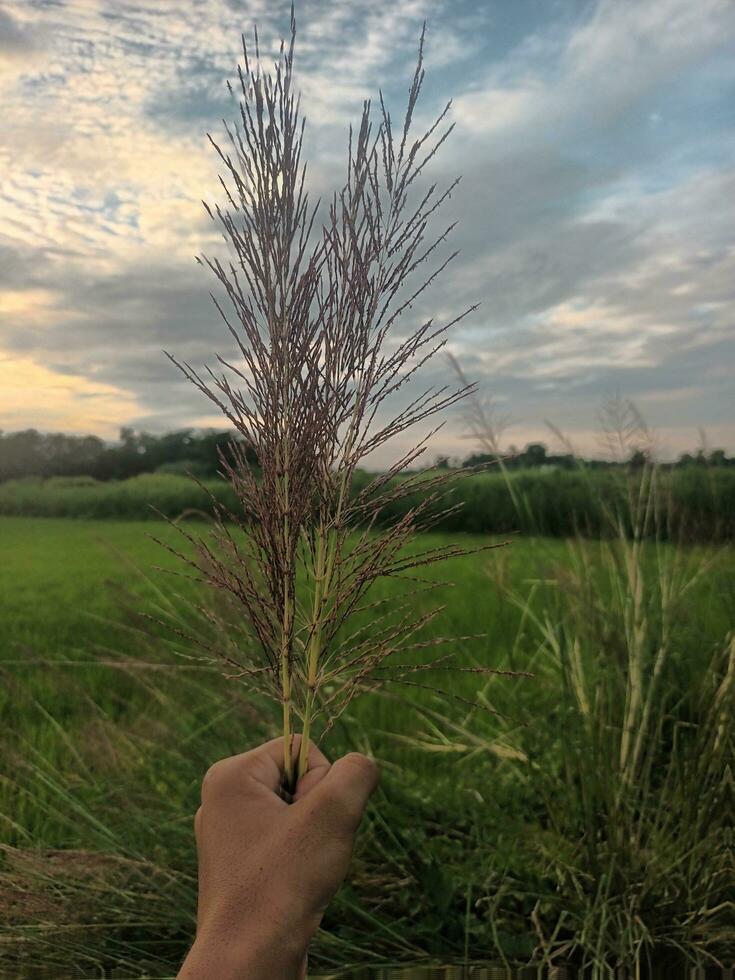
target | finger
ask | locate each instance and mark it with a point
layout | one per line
(311, 778)
(343, 791)
(259, 771)
(317, 767)
(197, 824)
(275, 750)
(247, 773)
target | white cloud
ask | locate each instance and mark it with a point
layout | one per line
(624, 50)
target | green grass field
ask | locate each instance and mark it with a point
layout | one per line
(491, 837)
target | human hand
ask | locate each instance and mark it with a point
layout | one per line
(267, 868)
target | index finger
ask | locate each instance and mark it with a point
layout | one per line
(260, 769)
(274, 750)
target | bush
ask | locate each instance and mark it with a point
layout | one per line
(140, 497)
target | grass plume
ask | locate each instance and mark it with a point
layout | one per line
(315, 316)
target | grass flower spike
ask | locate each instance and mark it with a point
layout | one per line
(320, 319)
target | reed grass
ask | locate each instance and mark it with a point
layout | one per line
(322, 355)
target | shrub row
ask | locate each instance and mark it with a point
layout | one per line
(140, 497)
(700, 503)
(694, 503)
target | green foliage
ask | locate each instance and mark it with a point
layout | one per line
(38, 454)
(556, 503)
(141, 497)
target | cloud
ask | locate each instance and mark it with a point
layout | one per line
(647, 310)
(28, 390)
(13, 39)
(588, 79)
(599, 244)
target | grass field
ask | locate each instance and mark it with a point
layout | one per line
(496, 837)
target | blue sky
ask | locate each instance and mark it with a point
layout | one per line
(596, 142)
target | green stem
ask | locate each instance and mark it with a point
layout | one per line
(285, 661)
(302, 765)
(287, 763)
(286, 693)
(320, 590)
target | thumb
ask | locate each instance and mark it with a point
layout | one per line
(342, 794)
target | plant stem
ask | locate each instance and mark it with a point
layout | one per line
(286, 693)
(287, 763)
(321, 589)
(285, 661)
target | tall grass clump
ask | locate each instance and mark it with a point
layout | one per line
(633, 769)
(321, 349)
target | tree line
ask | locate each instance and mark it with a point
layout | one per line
(44, 454)
(536, 456)
(39, 454)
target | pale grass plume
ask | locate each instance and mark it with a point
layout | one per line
(644, 781)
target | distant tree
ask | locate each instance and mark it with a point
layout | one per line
(31, 453)
(534, 454)
(479, 459)
(638, 459)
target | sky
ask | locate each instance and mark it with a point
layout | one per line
(596, 211)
